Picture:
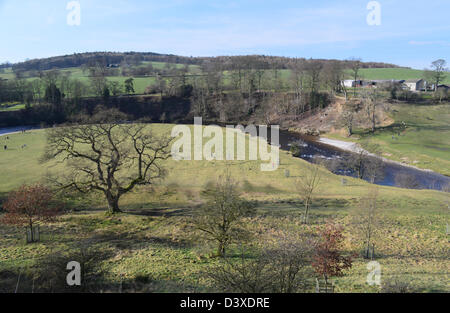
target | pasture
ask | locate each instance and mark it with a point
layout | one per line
(395, 73)
(152, 243)
(425, 143)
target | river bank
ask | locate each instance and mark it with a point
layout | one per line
(314, 147)
(355, 148)
(15, 130)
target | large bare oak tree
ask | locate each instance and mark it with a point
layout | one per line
(102, 153)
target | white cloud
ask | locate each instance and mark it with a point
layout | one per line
(430, 43)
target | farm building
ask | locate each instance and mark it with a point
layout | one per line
(382, 83)
(430, 87)
(347, 83)
(416, 84)
(352, 83)
(444, 89)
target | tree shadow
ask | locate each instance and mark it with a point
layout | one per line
(160, 212)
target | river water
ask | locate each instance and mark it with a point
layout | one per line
(312, 149)
(12, 130)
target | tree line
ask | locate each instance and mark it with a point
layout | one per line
(265, 89)
(79, 59)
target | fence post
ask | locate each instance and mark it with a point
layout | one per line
(18, 281)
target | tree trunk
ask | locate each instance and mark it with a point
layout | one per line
(31, 231)
(326, 283)
(305, 218)
(113, 204)
(221, 250)
(349, 130)
(368, 250)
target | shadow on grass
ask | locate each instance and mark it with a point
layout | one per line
(267, 189)
(10, 283)
(3, 197)
(134, 240)
(164, 212)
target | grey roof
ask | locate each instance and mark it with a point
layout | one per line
(387, 81)
(413, 80)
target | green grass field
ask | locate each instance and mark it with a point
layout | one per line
(141, 83)
(12, 106)
(153, 238)
(7, 73)
(425, 143)
(395, 73)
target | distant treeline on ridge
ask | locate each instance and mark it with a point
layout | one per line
(106, 58)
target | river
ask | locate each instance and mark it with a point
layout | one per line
(311, 148)
(13, 130)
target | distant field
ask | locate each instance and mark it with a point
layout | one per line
(395, 73)
(140, 83)
(7, 74)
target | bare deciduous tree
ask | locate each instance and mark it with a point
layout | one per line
(355, 67)
(297, 80)
(278, 269)
(307, 186)
(365, 165)
(366, 219)
(347, 117)
(355, 161)
(438, 74)
(333, 75)
(350, 108)
(372, 102)
(107, 156)
(97, 77)
(374, 165)
(220, 220)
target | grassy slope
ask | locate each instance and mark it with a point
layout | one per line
(158, 244)
(426, 141)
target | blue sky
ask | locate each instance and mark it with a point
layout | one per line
(412, 32)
